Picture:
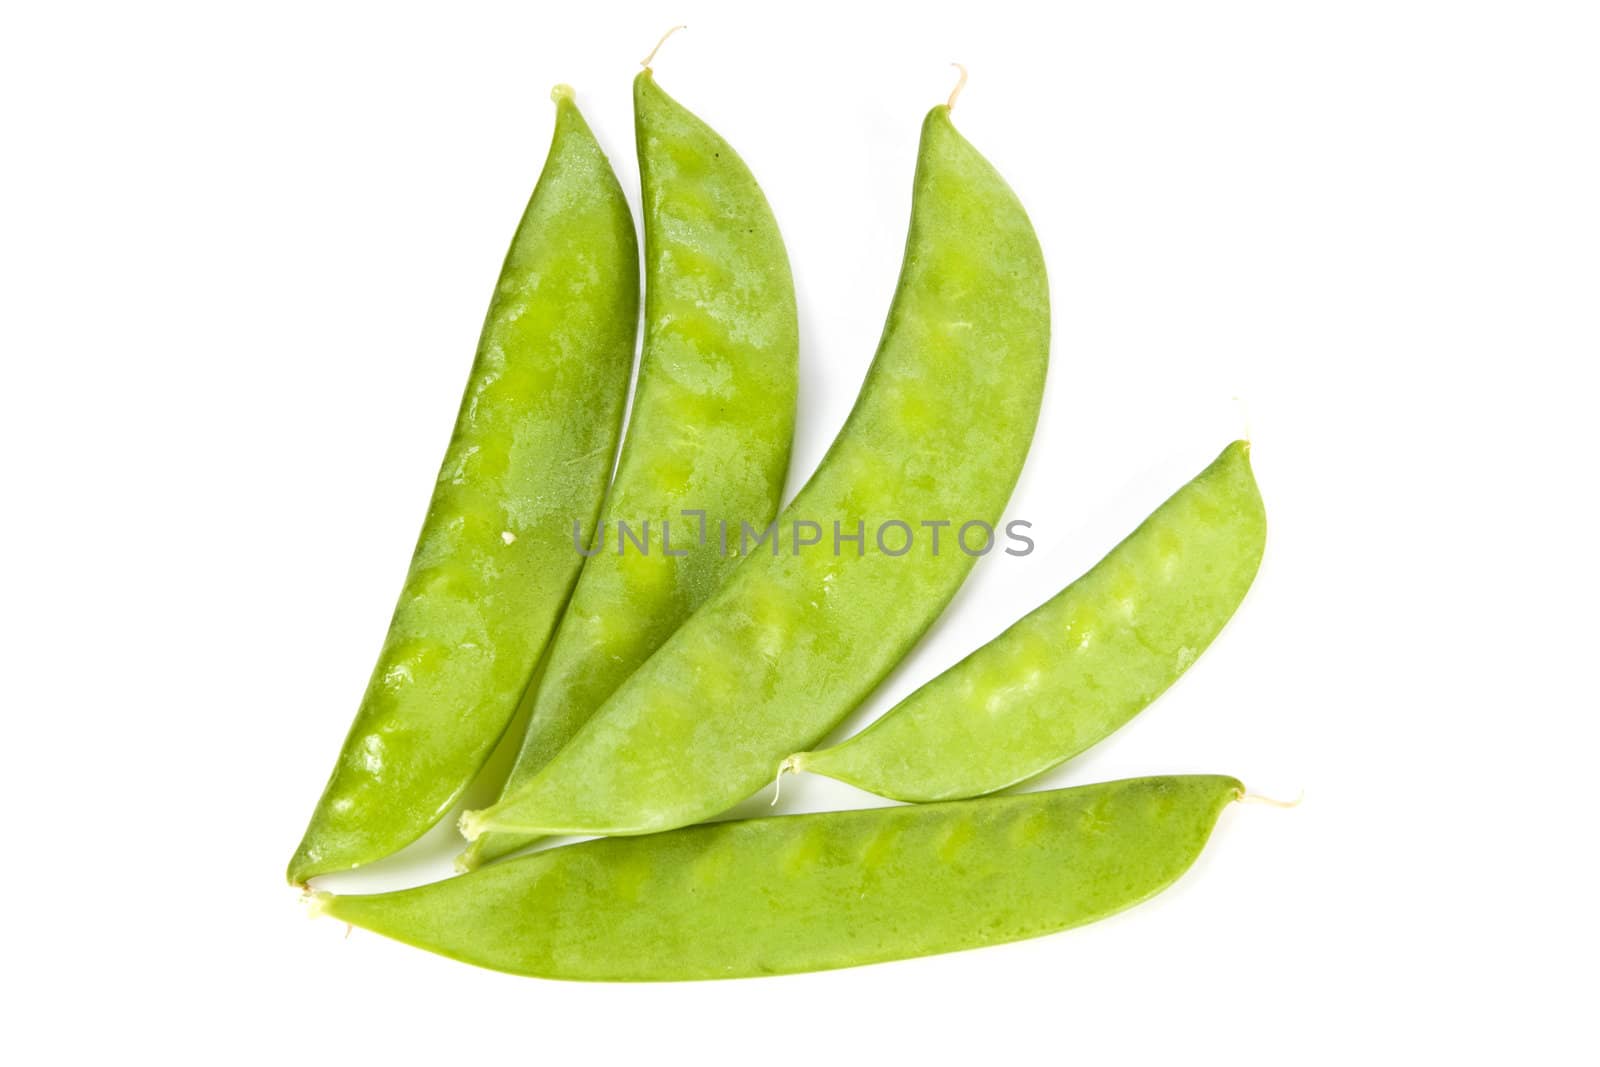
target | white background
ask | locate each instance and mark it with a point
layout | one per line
(245, 253)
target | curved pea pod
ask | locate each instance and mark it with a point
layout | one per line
(800, 633)
(709, 437)
(812, 892)
(1081, 665)
(531, 453)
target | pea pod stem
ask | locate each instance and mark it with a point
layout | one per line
(647, 60)
(961, 83)
(1272, 802)
(788, 766)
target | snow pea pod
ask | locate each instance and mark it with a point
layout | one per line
(530, 455)
(795, 639)
(812, 892)
(1079, 666)
(709, 437)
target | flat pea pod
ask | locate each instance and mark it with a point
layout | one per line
(812, 892)
(797, 637)
(531, 453)
(709, 438)
(1078, 667)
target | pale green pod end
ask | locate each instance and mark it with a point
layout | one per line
(490, 847)
(471, 824)
(839, 763)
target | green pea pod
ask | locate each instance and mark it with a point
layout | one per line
(799, 635)
(812, 892)
(709, 438)
(531, 452)
(1078, 667)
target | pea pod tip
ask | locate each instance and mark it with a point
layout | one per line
(1243, 796)
(470, 858)
(961, 83)
(647, 60)
(790, 765)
